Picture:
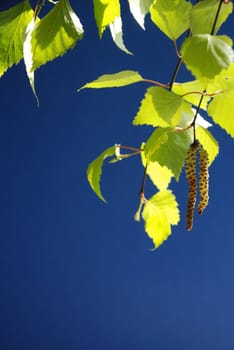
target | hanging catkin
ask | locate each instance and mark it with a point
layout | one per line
(190, 172)
(203, 180)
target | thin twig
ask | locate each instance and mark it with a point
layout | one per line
(37, 8)
(155, 83)
(131, 148)
(177, 67)
(193, 124)
(216, 17)
(176, 49)
(142, 190)
(203, 93)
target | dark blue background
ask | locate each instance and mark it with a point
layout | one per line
(79, 274)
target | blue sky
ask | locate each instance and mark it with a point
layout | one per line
(77, 273)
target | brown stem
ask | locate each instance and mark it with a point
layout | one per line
(37, 8)
(155, 83)
(176, 49)
(195, 117)
(204, 93)
(142, 190)
(177, 67)
(130, 148)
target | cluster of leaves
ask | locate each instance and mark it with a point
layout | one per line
(171, 109)
(24, 35)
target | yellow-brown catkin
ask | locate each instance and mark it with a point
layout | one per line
(190, 172)
(203, 180)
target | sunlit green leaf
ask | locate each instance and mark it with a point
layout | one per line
(105, 11)
(203, 14)
(171, 153)
(158, 108)
(159, 175)
(94, 171)
(158, 137)
(171, 16)
(123, 78)
(12, 25)
(159, 213)
(221, 110)
(206, 55)
(222, 81)
(208, 142)
(117, 34)
(139, 8)
(187, 118)
(194, 86)
(28, 56)
(57, 32)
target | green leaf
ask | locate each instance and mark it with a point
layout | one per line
(159, 108)
(158, 137)
(139, 8)
(160, 212)
(194, 98)
(172, 17)
(117, 34)
(203, 14)
(171, 153)
(28, 58)
(57, 32)
(222, 81)
(187, 118)
(221, 110)
(159, 175)
(207, 55)
(94, 171)
(123, 78)
(208, 142)
(12, 25)
(105, 11)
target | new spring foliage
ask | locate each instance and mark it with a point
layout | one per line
(171, 109)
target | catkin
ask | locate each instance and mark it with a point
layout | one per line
(203, 180)
(190, 172)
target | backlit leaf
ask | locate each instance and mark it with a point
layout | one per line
(158, 108)
(94, 171)
(188, 116)
(159, 175)
(203, 13)
(117, 34)
(208, 142)
(191, 86)
(158, 137)
(171, 153)
(105, 11)
(139, 8)
(171, 16)
(221, 110)
(57, 32)
(207, 55)
(12, 26)
(28, 57)
(222, 81)
(159, 213)
(123, 78)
